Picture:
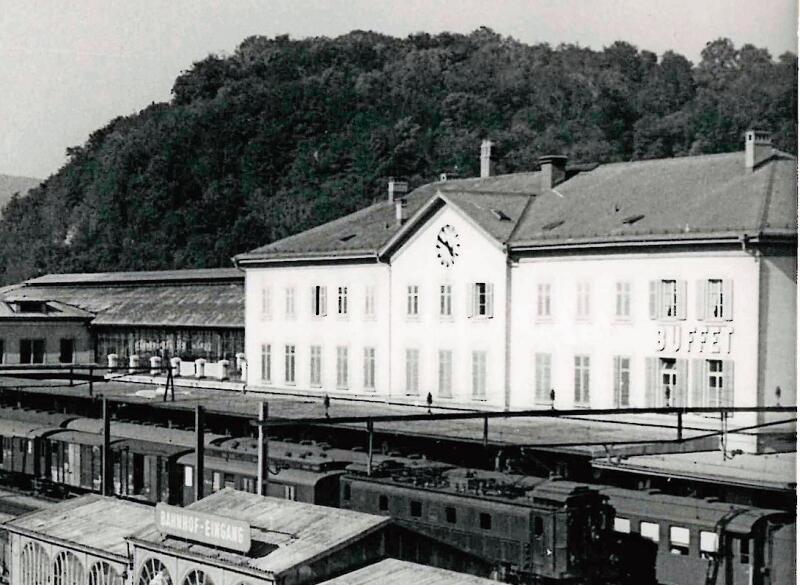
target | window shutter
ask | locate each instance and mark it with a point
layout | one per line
(727, 295)
(698, 382)
(323, 300)
(701, 289)
(615, 383)
(650, 381)
(313, 304)
(681, 284)
(470, 299)
(490, 300)
(654, 304)
(682, 386)
(726, 399)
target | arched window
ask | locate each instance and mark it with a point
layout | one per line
(67, 569)
(102, 573)
(34, 565)
(196, 577)
(154, 572)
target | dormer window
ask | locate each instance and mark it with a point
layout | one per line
(31, 307)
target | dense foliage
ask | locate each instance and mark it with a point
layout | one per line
(286, 134)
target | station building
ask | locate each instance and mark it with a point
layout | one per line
(82, 318)
(643, 283)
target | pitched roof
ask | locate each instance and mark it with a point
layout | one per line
(140, 277)
(396, 572)
(91, 521)
(643, 201)
(54, 310)
(285, 533)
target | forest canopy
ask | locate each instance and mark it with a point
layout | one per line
(286, 134)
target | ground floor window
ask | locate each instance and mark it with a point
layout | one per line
(31, 351)
(315, 376)
(187, 344)
(479, 375)
(581, 380)
(445, 373)
(622, 381)
(712, 383)
(666, 382)
(369, 368)
(341, 367)
(266, 362)
(66, 351)
(412, 371)
(542, 363)
(290, 353)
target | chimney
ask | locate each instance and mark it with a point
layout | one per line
(554, 170)
(486, 159)
(397, 187)
(400, 210)
(757, 147)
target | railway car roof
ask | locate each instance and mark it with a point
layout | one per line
(44, 417)
(396, 572)
(80, 437)
(146, 432)
(285, 533)
(150, 447)
(298, 476)
(24, 429)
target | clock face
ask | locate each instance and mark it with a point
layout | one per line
(448, 247)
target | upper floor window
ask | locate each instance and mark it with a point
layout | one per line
(266, 303)
(290, 304)
(543, 302)
(622, 307)
(341, 305)
(446, 300)
(715, 300)
(583, 306)
(412, 300)
(369, 302)
(668, 299)
(482, 305)
(582, 380)
(319, 301)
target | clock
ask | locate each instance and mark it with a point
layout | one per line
(448, 247)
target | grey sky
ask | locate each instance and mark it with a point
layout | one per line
(67, 68)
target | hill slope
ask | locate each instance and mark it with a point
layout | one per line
(9, 184)
(287, 134)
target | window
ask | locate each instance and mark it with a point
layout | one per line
(288, 364)
(315, 377)
(67, 569)
(346, 491)
(290, 304)
(369, 302)
(446, 300)
(266, 303)
(154, 571)
(197, 577)
(102, 573)
(583, 307)
(216, 481)
(369, 368)
(412, 301)
(479, 375)
(709, 544)
(412, 371)
(66, 351)
(34, 565)
(717, 383)
(341, 306)
(678, 540)
(290, 492)
(622, 525)
(383, 503)
(31, 351)
(622, 381)
(541, 362)
(538, 526)
(486, 521)
(582, 380)
(416, 509)
(266, 362)
(543, 306)
(450, 515)
(744, 550)
(668, 376)
(2, 351)
(715, 300)
(663, 374)
(445, 373)
(622, 307)
(319, 301)
(668, 299)
(341, 367)
(188, 476)
(649, 530)
(482, 300)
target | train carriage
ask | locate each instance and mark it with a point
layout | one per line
(148, 470)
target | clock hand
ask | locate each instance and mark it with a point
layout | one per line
(446, 245)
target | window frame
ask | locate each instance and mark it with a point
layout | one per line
(315, 366)
(622, 373)
(369, 368)
(290, 364)
(622, 303)
(412, 301)
(266, 363)
(544, 301)
(342, 301)
(583, 302)
(648, 524)
(676, 545)
(543, 372)
(412, 371)
(582, 395)
(290, 303)
(480, 366)
(342, 367)
(446, 301)
(445, 390)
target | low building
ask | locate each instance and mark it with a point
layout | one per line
(185, 313)
(596, 286)
(77, 542)
(394, 572)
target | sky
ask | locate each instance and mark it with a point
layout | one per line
(67, 67)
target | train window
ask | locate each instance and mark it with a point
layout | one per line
(346, 494)
(709, 544)
(450, 515)
(289, 492)
(29, 446)
(649, 530)
(622, 525)
(486, 521)
(679, 540)
(188, 475)
(538, 526)
(744, 551)
(416, 509)
(383, 503)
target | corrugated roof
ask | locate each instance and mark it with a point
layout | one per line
(91, 521)
(642, 201)
(395, 572)
(148, 276)
(156, 434)
(303, 532)
(55, 311)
